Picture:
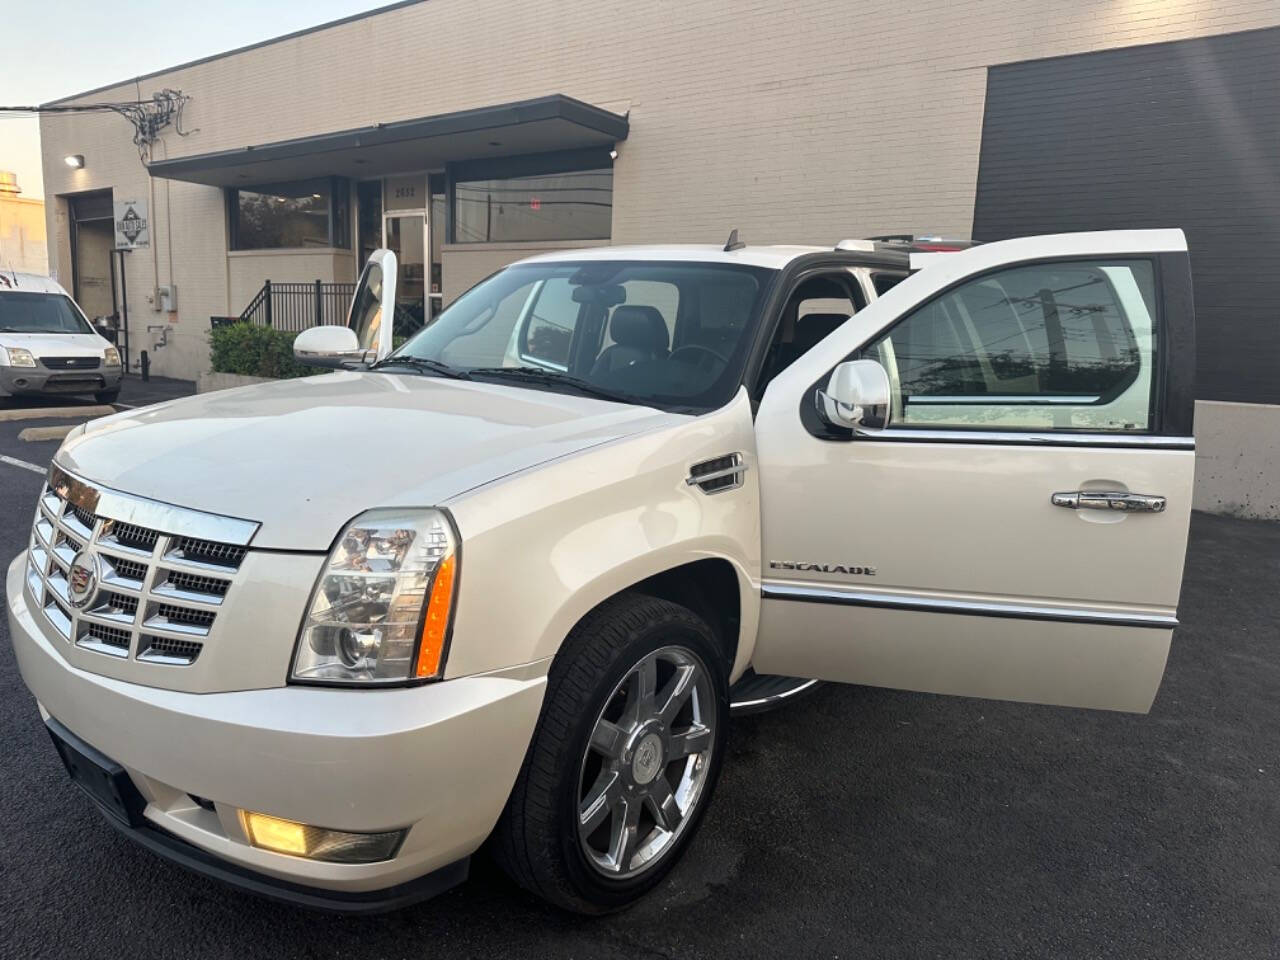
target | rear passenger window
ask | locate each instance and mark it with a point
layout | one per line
(1049, 346)
(884, 282)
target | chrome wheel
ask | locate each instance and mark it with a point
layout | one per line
(644, 770)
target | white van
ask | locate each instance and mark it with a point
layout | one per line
(47, 345)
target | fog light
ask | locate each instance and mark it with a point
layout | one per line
(316, 843)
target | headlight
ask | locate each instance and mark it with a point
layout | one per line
(381, 607)
(111, 357)
(16, 357)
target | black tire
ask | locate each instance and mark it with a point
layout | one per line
(536, 841)
(107, 396)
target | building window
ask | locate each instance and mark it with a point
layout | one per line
(282, 216)
(530, 199)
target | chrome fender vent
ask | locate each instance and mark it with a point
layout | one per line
(718, 475)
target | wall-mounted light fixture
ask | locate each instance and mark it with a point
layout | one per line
(75, 161)
(613, 154)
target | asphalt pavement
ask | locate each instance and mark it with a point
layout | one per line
(854, 823)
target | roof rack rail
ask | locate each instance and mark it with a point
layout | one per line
(911, 243)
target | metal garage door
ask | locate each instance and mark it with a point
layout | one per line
(1183, 134)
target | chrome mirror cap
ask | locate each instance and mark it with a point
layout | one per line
(858, 396)
(331, 347)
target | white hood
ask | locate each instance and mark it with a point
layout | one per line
(304, 456)
(56, 344)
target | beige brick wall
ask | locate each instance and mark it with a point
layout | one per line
(248, 270)
(187, 217)
(810, 120)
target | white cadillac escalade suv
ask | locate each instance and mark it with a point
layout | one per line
(323, 638)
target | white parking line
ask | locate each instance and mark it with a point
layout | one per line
(14, 461)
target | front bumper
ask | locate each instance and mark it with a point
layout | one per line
(30, 381)
(438, 759)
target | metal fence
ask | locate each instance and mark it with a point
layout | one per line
(297, 306)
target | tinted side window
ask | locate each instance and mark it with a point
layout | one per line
(884, 282)
(1058, 345)
(549, 330)
(480, 341)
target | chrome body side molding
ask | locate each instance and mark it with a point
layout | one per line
(778, 590)
(1143, 441)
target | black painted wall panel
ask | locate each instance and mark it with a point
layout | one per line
(1183, 134)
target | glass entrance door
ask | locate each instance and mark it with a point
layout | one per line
(406, 236)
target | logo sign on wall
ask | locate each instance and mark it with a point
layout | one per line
(133, 230)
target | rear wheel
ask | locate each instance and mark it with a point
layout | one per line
(624, 760)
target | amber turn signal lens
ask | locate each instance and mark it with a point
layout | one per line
(435, 624)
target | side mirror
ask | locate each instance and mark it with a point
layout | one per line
(858, 396)
(373, 307)
(333, 347)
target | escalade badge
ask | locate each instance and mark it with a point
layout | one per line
(82, 578)
(845, 568)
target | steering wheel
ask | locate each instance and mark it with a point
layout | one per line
(705, 351)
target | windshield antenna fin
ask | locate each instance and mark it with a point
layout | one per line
(733, 243)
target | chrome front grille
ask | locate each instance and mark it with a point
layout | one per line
(204, 551)
(161, 572)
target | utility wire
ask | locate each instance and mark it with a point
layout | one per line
(148, 117)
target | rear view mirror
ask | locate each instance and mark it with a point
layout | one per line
(374, 304)
(858, 396)
(333, 347)
(606, 295)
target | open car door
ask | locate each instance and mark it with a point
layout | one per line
(1011, 521)
(372, 312)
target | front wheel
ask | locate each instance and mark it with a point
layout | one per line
(624, 759)
(107, 396)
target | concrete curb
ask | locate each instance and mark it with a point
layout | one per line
(53, 413)
(209, 382)
(31, 434)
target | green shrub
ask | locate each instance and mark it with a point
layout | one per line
(255, 351)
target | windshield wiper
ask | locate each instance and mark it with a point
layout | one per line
(552, 379)
(423, 363)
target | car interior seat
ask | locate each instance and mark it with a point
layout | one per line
(639, 333)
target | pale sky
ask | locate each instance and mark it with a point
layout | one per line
(53, 48)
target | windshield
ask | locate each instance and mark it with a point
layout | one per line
(667, 334)
(40, 313)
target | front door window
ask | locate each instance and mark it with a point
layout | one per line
(1067, 345)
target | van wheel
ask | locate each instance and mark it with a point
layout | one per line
(107, 396)
(624, 759)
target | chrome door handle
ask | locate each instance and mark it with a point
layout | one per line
(1109, 500)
